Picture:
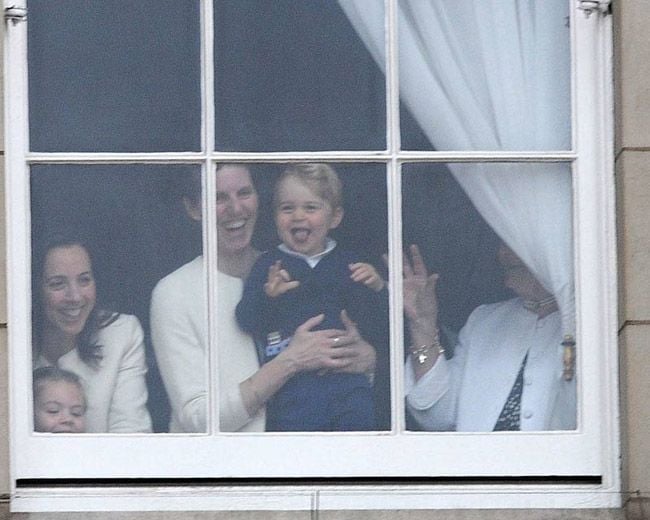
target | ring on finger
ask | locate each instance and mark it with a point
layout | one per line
(336, 339)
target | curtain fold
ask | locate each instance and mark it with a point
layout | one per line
(493, 75)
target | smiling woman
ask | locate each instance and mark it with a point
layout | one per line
(104, 349)
(179, 330)
(69, 295)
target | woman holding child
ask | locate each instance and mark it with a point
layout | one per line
(179, 331)
(72, 332)
(308, 274)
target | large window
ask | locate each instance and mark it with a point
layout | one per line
(201, 191)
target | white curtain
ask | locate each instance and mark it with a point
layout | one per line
(493, 75)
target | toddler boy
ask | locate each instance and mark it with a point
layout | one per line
(308, 275)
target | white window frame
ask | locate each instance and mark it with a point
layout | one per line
(133, 456)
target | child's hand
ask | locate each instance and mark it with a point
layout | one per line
(367, 275)
(279, 281)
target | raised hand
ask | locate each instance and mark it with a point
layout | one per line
(279, 281)
(420, 301)
(367, 275)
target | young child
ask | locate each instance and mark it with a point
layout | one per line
(59, 401)
(308, 275)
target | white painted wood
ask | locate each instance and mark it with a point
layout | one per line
(17, 228)
(312, 498)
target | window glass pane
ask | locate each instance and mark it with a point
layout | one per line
(505, 88)
(114, 76)
(294, 76)
(499, 238)
(323, 230)
(103, 237)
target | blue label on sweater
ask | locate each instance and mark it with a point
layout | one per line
(275, 348)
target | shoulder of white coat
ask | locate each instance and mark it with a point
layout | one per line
(121, 333)
(499, 310)
(124, 321)
(180, 283)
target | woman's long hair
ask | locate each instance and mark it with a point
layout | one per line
(88, 349)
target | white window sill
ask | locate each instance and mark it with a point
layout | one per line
(295, 498)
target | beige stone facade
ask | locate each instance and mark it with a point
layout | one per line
(632, 169)
(632, 152)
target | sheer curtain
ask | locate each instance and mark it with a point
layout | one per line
(493, 75)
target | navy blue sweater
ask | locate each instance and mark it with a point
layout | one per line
(312, 402)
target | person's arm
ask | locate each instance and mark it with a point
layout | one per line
(421, 311)
(330, 349)
(179, 344)
(255, 311)
(429, 378)
(181, 359)
(432, 399)
(128, 411)
(366, 274)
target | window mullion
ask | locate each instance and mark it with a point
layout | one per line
(209, 213)
(392, 78)
(395, 218)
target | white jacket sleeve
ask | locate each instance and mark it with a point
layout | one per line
(128, 409)
(181, 355)
(433, 399)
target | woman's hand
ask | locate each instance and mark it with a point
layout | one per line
(322, 350)
(329, 349)
(420, 301)
(361, 355)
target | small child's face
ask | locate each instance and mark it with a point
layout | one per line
(60, 407)
(303, 218)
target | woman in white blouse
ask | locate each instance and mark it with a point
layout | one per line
(179, 332)
(71, 331)
(507, 370)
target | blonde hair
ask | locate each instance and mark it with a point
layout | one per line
(321, 178)
(50, 374)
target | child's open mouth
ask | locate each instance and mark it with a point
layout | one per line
(300, 234)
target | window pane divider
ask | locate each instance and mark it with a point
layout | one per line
(114, 158)
(283, 157)
(209, 214)
(487, 156)
(396, 352)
